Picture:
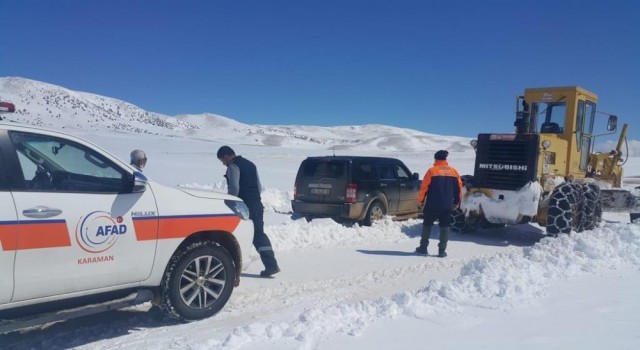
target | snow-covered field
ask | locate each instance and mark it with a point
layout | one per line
(362, 288)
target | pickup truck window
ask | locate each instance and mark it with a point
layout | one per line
(53, 164)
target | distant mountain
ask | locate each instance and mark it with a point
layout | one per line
(53, 106)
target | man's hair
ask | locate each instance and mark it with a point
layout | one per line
(441, 155)
(137, 154)
(225, 151)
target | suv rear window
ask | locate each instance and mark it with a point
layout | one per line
(325, 169)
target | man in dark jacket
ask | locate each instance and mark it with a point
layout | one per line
(243, 181)
(442, 188)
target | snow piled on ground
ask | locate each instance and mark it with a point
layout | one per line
(322, 233)
(501, 282)
(504, 281)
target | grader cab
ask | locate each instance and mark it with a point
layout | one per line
(547, 171)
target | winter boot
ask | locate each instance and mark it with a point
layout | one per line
(444, 238)
(269, 271)
(424, 240)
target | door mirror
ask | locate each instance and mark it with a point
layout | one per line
(416, 176)
(139, 182)
(135, 183)
(612, 124)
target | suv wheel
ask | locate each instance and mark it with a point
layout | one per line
(198, 281)
(376, 212)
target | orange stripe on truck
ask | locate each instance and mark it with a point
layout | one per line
(146, 228)
(183, 225)
(34, 235)
(9, 235)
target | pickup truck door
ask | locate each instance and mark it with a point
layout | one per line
(8, 237)
(76, 231)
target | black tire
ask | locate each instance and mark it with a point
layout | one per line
(591, 206)
(375, 212)
(462, 223)
(458, 220)
(564, 213)
(210, 272)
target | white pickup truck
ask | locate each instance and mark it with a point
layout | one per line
(83, 232)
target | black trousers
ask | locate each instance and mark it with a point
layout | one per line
(443, 215)
(260, 239)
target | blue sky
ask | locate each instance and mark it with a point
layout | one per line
(446, 67)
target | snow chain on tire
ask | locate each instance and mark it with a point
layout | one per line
(463, 224)
(565, 209)
(458, 220)
(591, 206)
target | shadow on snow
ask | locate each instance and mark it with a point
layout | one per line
(86, 330)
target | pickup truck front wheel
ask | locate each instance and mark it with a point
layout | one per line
(198, 281)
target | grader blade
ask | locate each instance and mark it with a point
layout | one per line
(620, 201)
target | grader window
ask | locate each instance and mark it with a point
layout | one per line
(549, 116)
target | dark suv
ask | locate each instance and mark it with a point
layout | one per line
(355, 189)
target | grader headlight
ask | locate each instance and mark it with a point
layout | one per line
(546, 144)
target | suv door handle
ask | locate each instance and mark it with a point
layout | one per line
(41, 212)
(403, 185)
(383, 185)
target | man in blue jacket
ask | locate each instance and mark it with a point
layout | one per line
(440, 193)
(243, 181)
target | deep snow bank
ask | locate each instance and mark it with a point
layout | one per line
(501, 281)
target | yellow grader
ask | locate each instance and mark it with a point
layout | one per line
(547, 171)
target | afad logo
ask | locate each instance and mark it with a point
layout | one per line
(98, 231)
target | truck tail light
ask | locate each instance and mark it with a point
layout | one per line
(351, 193)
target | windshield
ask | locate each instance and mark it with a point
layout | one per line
(549, 117)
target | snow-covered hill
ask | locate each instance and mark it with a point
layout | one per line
(48, 105)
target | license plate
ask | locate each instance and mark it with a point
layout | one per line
(321, 191)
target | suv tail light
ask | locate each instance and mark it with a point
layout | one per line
(295, 190)
(351, 193)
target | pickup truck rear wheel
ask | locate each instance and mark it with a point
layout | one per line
(198, 281)
(376, 212)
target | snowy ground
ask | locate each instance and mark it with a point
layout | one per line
(362, 288)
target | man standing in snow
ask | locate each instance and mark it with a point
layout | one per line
(442, 188)
(243, 181)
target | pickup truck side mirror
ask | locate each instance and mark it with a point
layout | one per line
(135, 183)
(139, 182)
